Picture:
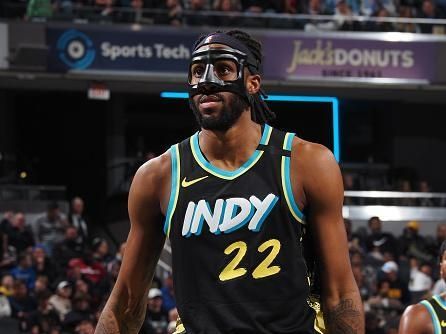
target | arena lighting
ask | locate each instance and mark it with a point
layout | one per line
(292, 98)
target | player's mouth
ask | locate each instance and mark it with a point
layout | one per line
(209, 101)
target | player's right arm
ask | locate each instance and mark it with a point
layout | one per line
(125, 309)
(416, 320)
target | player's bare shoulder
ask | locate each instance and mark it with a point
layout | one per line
(312, 154)
(314, 164)
(416, 320)
(153, 178)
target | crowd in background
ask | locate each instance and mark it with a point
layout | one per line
(242, 13)
(393, 272)
(56, 276)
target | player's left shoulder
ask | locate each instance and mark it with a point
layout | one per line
(312, 156)
(415, 318)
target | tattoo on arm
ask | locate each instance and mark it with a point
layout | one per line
(344, 318)
(121, 319)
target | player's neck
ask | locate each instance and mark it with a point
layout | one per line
(230, 149)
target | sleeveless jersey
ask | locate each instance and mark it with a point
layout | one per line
(237, 242)
(437, 310)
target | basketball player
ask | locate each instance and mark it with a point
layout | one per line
(428, 316)
(248, 210)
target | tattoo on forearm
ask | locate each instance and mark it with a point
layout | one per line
(344, 318)
(122, 320)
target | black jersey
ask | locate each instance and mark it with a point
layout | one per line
(437, 310)
(237, 242)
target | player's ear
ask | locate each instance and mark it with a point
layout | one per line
(253, 83)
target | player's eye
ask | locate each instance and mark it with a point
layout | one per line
(197, 70)
(225, 71)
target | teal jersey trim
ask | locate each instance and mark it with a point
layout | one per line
(287, 178)
(435, 320)
(174, 186)
(440, 301)
(206, 165)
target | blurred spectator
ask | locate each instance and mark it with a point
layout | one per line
(117, 260)
(104, 8)
(380, 26)
(39, 8)
(383, 305)
(64, 7)
(420, 281)
(61, 301)
(405, 186)
(156, 319)
(43, 265)
(168, 294)
(174, 15)
(81, 311)
(86, 267)
(423, 187)
(428, 11)
(230, 9)
(133, 11)
(21, 303)
(50, 227)
(196, 18)
(407, 12)
(392, 293)
(364, 289)
(44, 317)
(40, 287)
(78, 220)
(317, 7)
(355, 242)
(69, 248)
(19, 234)
(6, 220)
(412, 244)
(7, 285)
(434, 243)
(5, 306)
(100, 253)
(9, 257)
(24, 270)
(85, 327)
(344, 17)
(372, 324)
(81, 287)
(379, 242)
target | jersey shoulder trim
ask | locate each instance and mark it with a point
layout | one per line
(433, 314)
(440, 301)
(174, 186)
(224, 174)
(286, 180)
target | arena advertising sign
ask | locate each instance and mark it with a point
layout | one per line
(4, 48)
(120, 49)
(307, 57)
(288, 55)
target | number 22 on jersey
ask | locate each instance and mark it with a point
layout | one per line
(263, 269)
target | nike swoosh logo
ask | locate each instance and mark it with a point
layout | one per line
(443, 323)
(185, 183)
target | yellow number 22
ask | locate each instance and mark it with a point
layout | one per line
(262, 270)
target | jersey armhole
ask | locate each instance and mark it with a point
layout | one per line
(435, 320)
(286, 180)
(174, 187)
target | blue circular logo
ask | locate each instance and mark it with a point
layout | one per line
(76, 49)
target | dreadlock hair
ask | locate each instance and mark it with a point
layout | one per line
(260, 112)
